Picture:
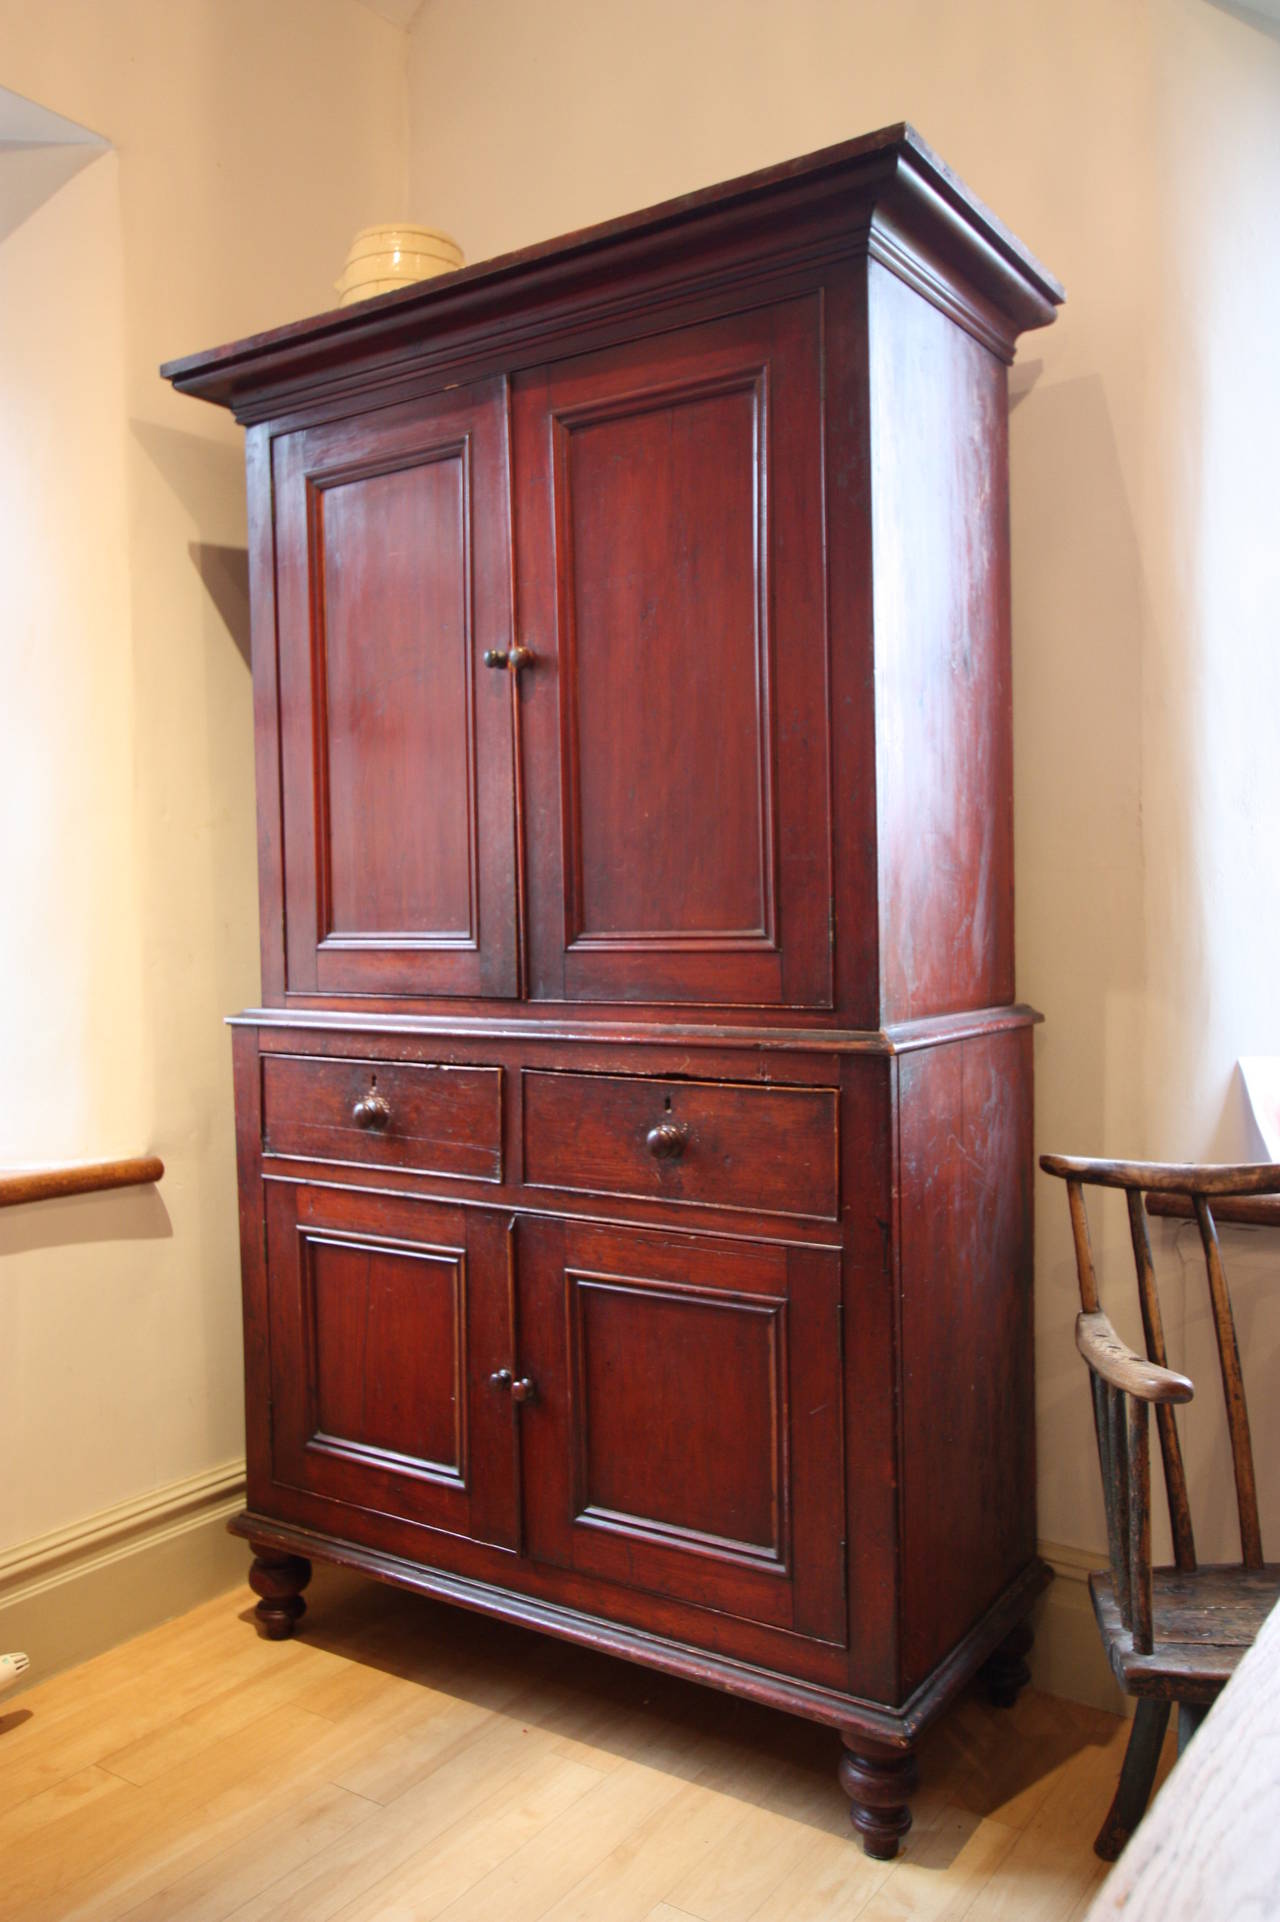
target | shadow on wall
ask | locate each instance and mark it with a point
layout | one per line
(1267, 23)
(1023, 376)
(1079, 607)
(119, 1214)
(39, 152)
(207, 476)
(1080, 611)
(225, 573)
(205, 473)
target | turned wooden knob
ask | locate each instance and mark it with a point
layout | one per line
(515, 657)
(372, 1110)
(668, 1141)
(522, 1389)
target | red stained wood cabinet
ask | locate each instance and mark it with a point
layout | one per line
(635, 1136)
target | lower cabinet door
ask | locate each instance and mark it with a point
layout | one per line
(683, 1433)
(387, 1317)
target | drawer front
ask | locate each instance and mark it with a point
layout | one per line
(705, 1143)
(425, 1118)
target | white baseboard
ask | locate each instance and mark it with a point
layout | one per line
(71, 1594)
(1067, 1658)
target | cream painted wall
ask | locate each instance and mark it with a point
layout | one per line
(1211, 721)
(1136, 148)
(249, 142)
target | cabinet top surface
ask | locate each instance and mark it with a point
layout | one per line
(879, 174)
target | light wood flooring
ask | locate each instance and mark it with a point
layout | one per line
(406, 1760)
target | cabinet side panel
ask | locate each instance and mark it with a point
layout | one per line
(939, 449)
(968, 1448)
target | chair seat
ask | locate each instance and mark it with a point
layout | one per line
(1203, 1620)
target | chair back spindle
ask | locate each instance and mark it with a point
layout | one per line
(1224, 1327)
(1175, 1476)
(1139, 1525)
(1113, 1455)
(1084, 1247)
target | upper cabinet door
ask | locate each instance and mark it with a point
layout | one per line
(669, 540)
(393, 577)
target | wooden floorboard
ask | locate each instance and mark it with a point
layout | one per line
(404, 1761)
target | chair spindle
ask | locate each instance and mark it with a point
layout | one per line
(1118, 1516)
(1139, 1480)
(1084, 1248)
(1175, 1478)
(1232, 1388)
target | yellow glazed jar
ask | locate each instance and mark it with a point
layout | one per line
(383, 258)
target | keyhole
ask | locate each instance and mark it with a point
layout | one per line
(667, 1104)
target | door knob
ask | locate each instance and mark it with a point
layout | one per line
(515, 658)
(521, 1390)
(372, 1110)
(668, 1141)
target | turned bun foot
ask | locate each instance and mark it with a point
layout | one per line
(878, 1783)
(1006, 1673)
(278, 1580)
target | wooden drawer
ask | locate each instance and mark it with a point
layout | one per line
(712, 1144)
(426, 1118)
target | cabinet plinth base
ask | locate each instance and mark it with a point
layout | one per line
(278, 1579)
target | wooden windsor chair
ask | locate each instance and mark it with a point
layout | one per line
(1171, 1634)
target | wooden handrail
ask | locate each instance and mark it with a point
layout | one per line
(86, 1178)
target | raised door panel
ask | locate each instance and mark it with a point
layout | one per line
(393, 579)
(670, 588)
(686, 1434)
(382, 1343)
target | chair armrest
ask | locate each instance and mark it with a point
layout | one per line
(1108, 1357)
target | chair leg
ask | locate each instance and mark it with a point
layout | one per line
(1190, 1716)
(1133, 1791)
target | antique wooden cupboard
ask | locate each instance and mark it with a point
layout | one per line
(635, 1137)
